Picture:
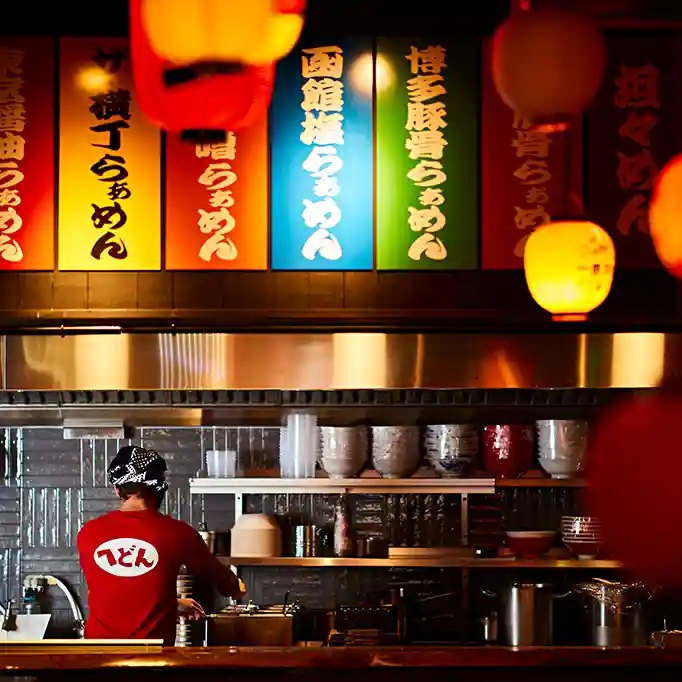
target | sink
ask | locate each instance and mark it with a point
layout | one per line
(29, 628)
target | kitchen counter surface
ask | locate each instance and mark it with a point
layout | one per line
(37, 659)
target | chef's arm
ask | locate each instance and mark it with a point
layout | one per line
(201, 562)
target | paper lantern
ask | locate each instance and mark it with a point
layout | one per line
(548, 65)
(256, 32)
(195, 97)
(569, 267)
(633, 470)
(665, 216)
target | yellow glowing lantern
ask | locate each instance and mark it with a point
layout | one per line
(548, 65)
(255, 32)
(665, 216)
(569, 267)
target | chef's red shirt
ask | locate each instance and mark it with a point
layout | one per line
(131, 562)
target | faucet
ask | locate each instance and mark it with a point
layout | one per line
(8, 621)
(38, 582)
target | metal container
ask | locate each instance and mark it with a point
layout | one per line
(617, 613)
(305, 541)
(527, 614)
(268, 626)
(371, 546)
(217, 543)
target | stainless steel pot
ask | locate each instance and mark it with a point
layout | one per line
(269, 626)
(617, 613)
(527, 613)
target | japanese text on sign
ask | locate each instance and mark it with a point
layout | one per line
(12, 147)
(217, 178)
(532, 149)
(637, 94)
(322, 104)
(425, 142)
(112, 109)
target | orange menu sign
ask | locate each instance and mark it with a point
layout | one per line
(109, 163)
(217, 202)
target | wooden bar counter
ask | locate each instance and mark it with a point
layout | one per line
(394, 663)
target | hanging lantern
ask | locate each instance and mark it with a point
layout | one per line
(633, 471)
(665, 215)
(256, 32)
(569, 267)
(548, 66)
(201, 96)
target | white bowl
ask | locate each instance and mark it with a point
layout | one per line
(560, 468)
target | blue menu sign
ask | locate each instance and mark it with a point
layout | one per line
(321, 163)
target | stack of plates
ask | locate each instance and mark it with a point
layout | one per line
(582, 535)
(451, 448)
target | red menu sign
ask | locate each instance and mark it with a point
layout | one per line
(633, 130)
(27, 157)
(523, 178)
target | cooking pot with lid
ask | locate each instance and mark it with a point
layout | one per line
(617, 613)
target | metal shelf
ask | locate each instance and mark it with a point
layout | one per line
(215, 486)
(540, 483)
(424, 562)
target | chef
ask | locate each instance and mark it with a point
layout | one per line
(131, 557)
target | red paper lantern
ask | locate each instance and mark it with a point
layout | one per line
(634, 469)
(199, 96)
(548, 65)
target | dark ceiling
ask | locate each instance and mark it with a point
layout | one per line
(347, 17)
(75, 17)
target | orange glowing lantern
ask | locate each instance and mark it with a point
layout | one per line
(665, 214)
(254, 32)
(569, 267)
(548, 65)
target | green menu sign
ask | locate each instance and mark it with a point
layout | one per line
(427, 100)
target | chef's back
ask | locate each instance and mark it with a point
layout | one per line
(131, 560)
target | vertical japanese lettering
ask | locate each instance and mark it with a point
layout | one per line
(637, 96)
(425, 143)
(532, 149)
(112, 111)
(12, 149)
(217, 178)
(322, 105)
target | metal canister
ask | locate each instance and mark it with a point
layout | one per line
(528, 614)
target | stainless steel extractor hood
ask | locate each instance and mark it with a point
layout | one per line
(177, 362)
(97, 385)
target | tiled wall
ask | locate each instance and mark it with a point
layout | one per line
(50, 486)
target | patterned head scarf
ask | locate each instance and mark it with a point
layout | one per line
(133, 464)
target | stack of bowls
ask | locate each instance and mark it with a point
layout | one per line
(561, 446)
(184, 628)
(344, 450)
(582, 535)
(395, 450)
(451, 448)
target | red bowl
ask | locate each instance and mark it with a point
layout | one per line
(530, 544)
